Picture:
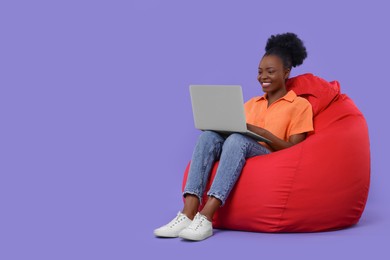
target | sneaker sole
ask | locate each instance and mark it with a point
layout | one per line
(158, 234)
(195, 238)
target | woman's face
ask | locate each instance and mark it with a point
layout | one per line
(272, 74)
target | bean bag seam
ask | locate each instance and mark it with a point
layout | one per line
(334, 99)
(292, 185)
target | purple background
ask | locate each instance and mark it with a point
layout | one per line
(97, 128)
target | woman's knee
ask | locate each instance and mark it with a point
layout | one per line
(210, 136)
(234, 140)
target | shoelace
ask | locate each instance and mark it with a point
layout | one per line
(198, 224)
(176, 221)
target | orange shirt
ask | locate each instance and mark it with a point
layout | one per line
(289, 115)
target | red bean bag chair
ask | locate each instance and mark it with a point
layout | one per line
(319, 184)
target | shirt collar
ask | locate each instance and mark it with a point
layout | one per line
(290, 96)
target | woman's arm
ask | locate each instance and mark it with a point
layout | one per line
(277, 143)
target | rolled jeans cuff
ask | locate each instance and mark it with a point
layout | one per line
(193, 193)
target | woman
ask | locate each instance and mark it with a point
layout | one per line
(279, 115)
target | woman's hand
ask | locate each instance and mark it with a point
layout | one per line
(256, 129)
(277, 143)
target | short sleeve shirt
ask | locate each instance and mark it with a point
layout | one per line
(287, 116)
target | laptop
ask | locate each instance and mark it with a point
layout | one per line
(220, 108)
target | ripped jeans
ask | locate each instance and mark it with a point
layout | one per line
(232, 153)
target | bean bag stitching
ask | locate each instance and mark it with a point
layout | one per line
(330, 103)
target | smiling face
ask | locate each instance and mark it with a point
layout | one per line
(273, 75)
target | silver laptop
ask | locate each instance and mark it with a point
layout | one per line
(220, 108)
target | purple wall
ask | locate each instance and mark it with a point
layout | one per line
(96, 120)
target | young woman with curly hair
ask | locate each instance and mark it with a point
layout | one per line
(279, 115)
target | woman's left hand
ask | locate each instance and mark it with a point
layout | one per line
(276, 143)
(256, 129)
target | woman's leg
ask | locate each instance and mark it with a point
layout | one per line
(206, 152)
(236, 149)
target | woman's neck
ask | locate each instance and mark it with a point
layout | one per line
(273, 96)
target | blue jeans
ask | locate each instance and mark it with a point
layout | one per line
(232, 153)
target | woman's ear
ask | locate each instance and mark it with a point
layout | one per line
(287, 73)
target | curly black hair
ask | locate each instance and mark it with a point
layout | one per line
(288, 47)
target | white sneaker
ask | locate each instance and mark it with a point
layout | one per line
(173, 228)
(200, 229)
